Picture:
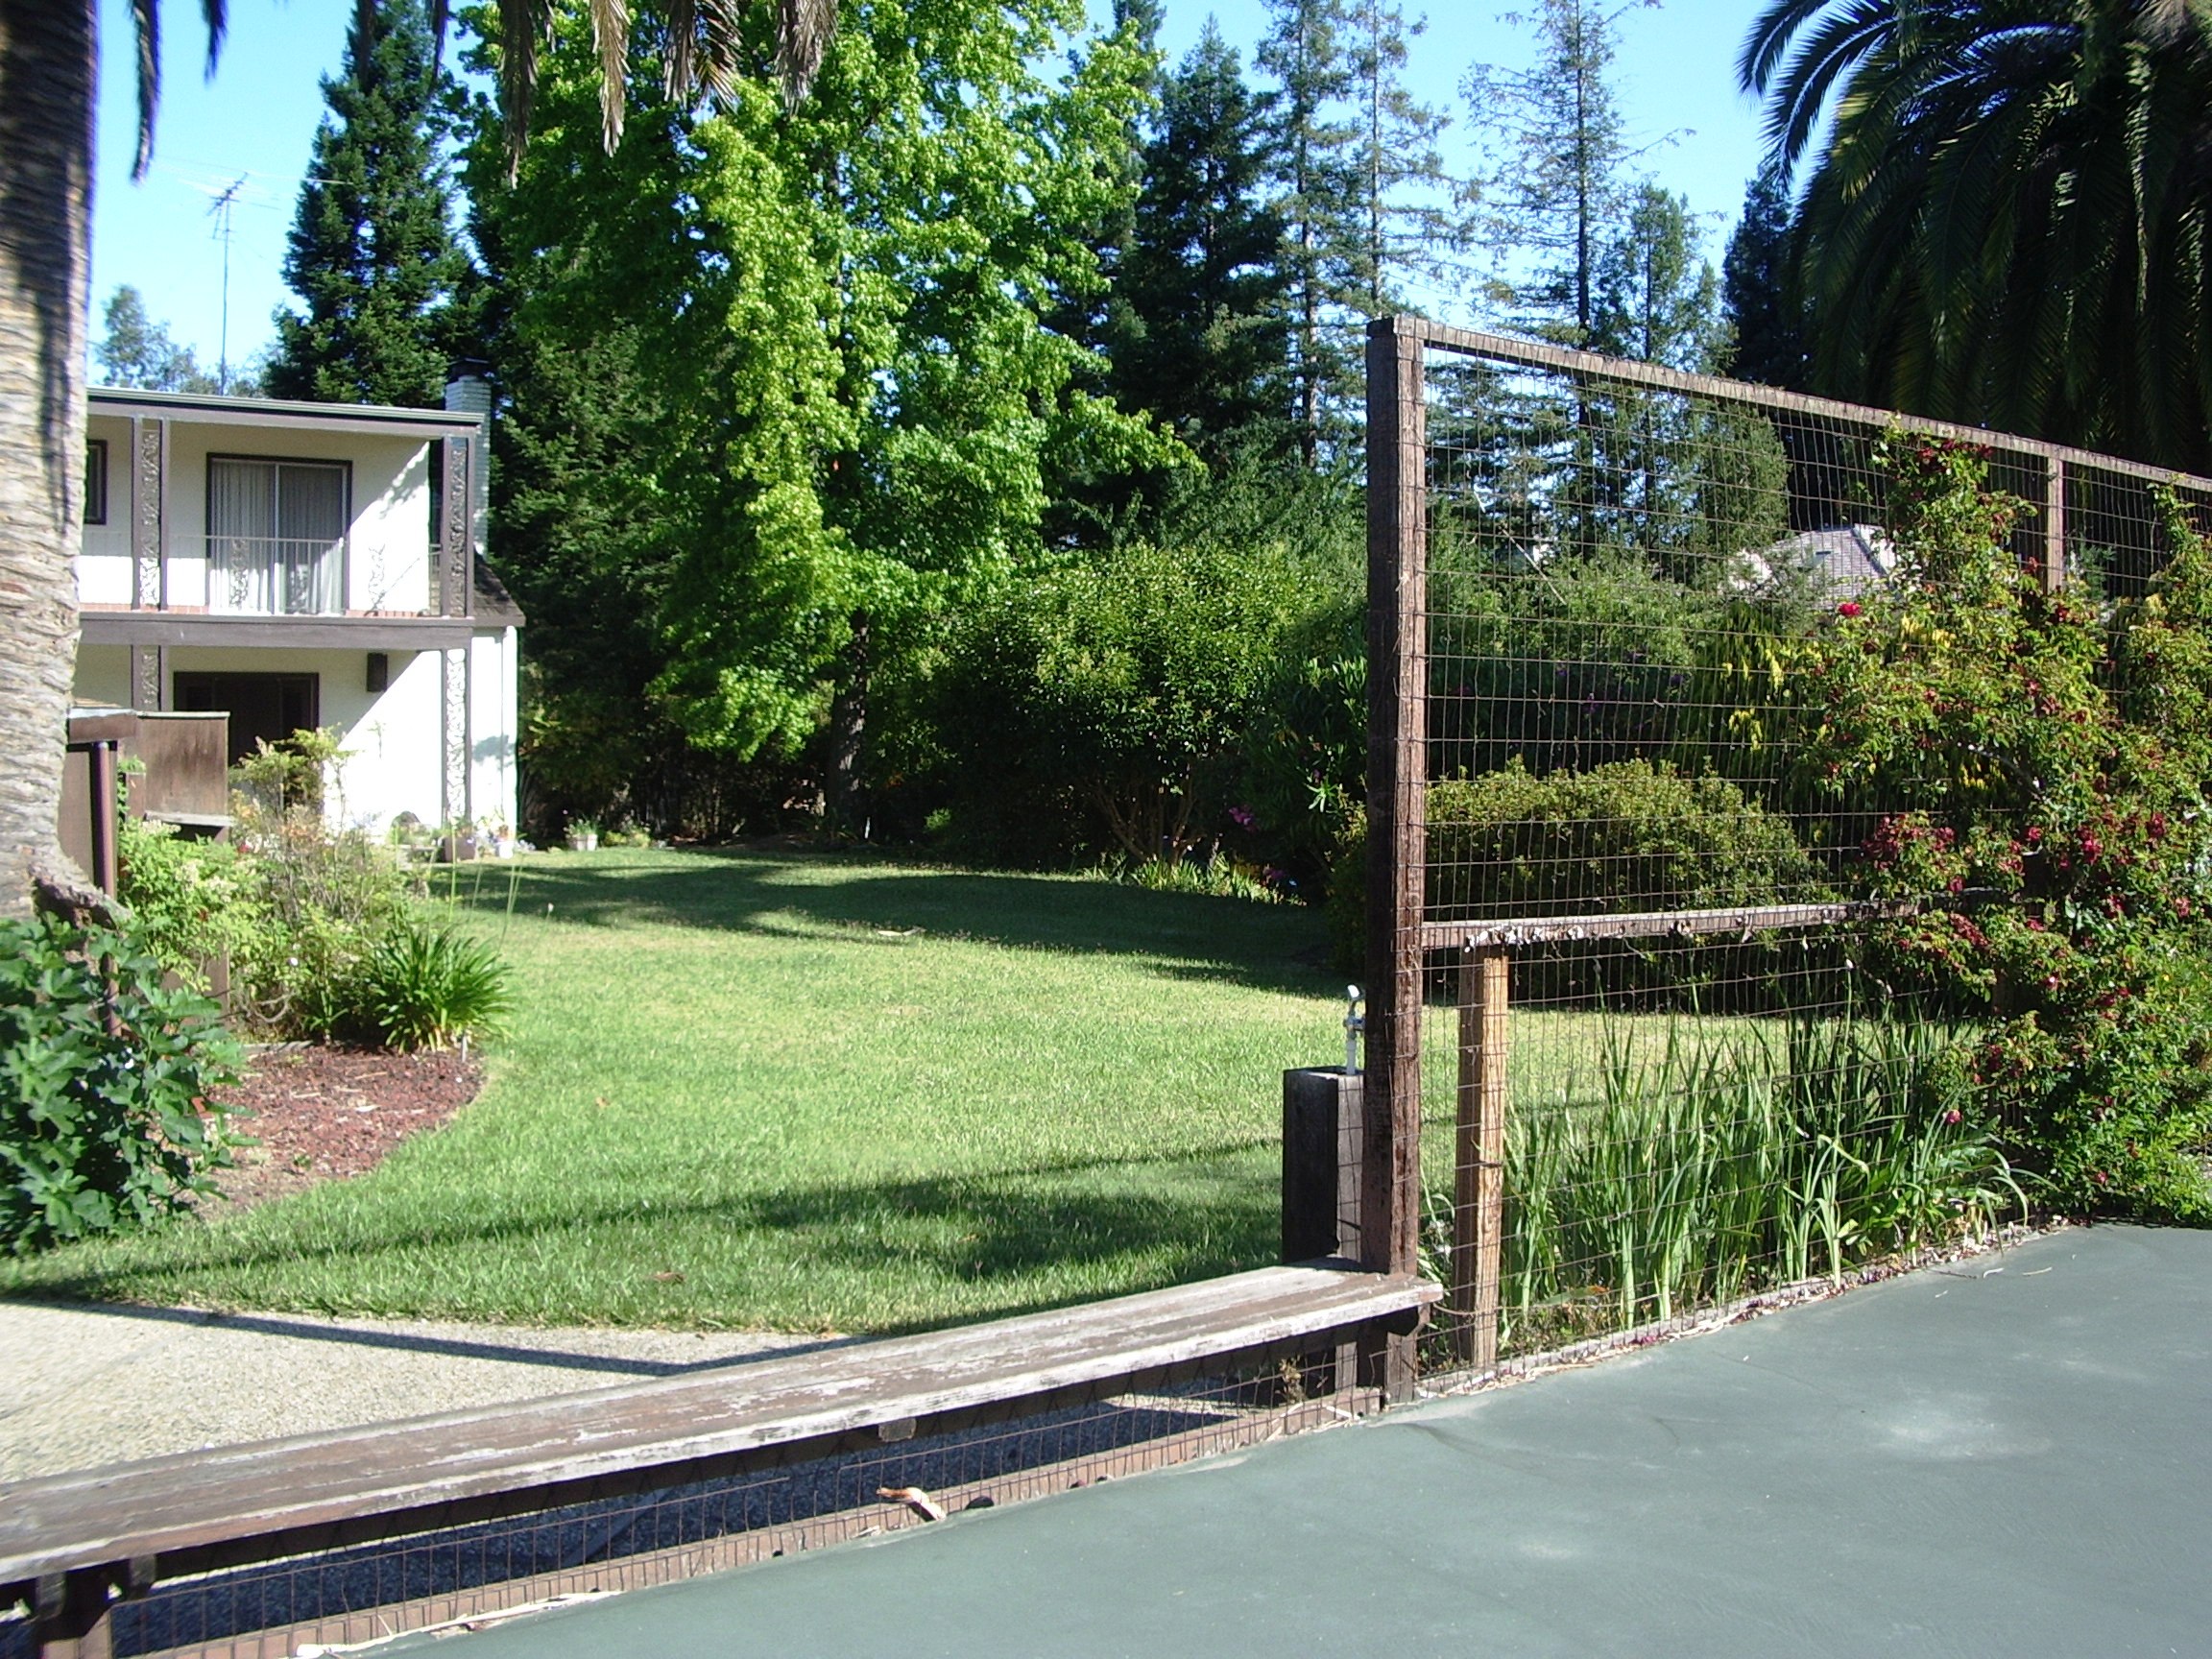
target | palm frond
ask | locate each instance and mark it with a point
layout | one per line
(611, 35)
(802, 38)
(683, 47)
(146, 24)
(215, 14)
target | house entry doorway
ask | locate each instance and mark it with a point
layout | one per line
(262, 706)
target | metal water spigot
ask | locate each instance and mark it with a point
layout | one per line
(1355, 1025)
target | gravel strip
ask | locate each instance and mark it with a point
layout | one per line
(84, 1384)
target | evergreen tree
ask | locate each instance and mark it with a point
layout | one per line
(1089, 493)
(373, 253)
(1689, 483)
(1317, 169)
(135, 350)
(1410, 228)
(1758, 290)
(1201, 337)
(1557, 187)
(1656, 297)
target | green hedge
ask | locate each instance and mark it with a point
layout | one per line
(1626, 836)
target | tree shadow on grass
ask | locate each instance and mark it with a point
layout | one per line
(1274, 947)
(1191, 1217)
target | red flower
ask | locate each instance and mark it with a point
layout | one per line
(1849, 608)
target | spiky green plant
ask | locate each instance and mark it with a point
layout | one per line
(430, 986)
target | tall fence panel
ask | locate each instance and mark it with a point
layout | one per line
(1625, 952)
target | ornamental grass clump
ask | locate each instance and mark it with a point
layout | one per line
(1732, 1162)
(106, 1078)
(2043, 761)
(424, 985)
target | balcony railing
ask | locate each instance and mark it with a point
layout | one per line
(276, 575)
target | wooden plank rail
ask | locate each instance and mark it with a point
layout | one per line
(1483, 935)
(133, 1524)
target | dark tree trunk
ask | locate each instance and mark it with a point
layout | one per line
(847, 789)
(48, 53)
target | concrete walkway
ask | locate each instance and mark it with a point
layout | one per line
(85, 1384)
(2010, 1456)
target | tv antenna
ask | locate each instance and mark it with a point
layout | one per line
(220, 211)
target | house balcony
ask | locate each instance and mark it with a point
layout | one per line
(215, 521)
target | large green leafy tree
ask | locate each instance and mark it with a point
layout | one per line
(2010, 221)
(372, 254)
(1202, 343)
(843, 403)
(1656, 297)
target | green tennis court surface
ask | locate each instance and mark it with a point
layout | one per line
(1960, 1461)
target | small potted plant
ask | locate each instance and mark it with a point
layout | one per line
(458, 843)
(582, 834)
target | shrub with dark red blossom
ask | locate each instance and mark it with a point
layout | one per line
(2045, 763)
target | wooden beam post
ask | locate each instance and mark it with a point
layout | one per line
(1397, 810)
(456, 527)
(1321, 1136)
(148, 527)
(2053, 562)
(1478, 1176)
(69, 1616)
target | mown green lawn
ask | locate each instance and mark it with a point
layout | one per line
(809, 1093)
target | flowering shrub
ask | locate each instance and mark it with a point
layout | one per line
(2039, 765)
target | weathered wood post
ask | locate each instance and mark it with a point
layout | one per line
(1397, 838)
(69, 1617)
(2053, 562)
(1479, 1181)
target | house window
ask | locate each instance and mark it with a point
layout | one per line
(276, 536)
(96, 481)
(265, 707)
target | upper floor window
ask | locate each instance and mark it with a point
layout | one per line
(96, 481)
(276, 536)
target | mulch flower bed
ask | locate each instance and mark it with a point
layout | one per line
(323, 1113)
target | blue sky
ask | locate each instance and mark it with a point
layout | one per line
(253, 123)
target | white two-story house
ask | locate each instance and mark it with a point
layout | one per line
(306, 565)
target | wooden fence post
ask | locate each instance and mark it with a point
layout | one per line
(1478, 1180)
(1396, 810)
(2054, 570)
(69, 1617)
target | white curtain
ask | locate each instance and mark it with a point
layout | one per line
(275, 537)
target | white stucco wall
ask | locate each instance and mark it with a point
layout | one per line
(103, 569)
(388, 554)
(493, 665)
(393, 735)
(396, 736)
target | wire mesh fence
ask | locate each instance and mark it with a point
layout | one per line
(1671, 1060)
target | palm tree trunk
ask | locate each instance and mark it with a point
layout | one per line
(47, 74)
